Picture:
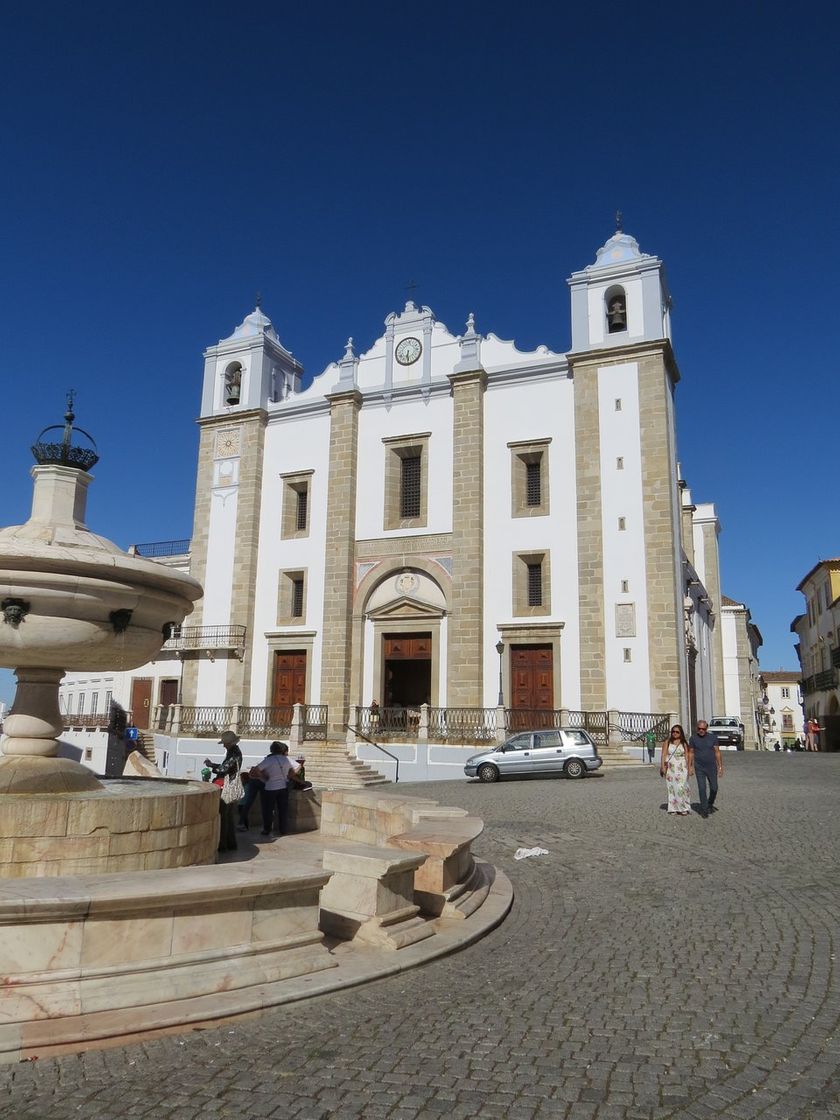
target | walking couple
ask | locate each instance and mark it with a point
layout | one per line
(681, 758)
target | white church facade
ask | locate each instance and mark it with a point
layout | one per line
(445, 520)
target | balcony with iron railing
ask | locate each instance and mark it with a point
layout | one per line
(207, 639)
(160, 550)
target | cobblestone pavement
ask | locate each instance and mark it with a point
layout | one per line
(651, 967)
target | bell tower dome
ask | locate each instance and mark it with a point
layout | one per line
(249, 369)
(621, 299)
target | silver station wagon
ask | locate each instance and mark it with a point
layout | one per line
(566, 750)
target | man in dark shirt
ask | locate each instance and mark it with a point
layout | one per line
(704, 760)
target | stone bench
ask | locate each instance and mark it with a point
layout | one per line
(107, 955)
(447, 884)
(370, 895)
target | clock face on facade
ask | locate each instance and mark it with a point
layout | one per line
(408, 351)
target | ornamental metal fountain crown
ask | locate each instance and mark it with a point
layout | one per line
(65, 453)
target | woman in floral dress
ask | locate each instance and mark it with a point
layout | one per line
(673, 766)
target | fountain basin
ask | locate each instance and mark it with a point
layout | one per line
(128, 824)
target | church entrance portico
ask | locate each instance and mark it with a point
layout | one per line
(403, 642)
(407, 670)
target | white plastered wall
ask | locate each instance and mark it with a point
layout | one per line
(531, 411)
(292, 444)
(628, 684)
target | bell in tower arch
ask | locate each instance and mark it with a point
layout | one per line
(233, 383)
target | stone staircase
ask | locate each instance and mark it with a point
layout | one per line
(615, 758)
(146, 744)
(329, 766)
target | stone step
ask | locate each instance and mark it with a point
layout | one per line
(146, 744)
(329, 766)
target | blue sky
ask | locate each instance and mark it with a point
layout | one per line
(162, 162)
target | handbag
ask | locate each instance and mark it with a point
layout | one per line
(232, 790)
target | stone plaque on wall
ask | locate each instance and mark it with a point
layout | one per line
(625, 620)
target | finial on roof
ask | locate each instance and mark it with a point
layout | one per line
(349, 352)
(69, 415)
(259, 300)
(619, 220)
(470, 332)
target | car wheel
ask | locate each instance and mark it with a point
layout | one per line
(574, 768)
(488, 773)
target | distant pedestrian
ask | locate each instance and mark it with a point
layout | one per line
(274, 770)
(704, 760)
(813, 734)
(673, 766)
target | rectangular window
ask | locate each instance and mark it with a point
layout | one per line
(625, 586)
(531, 587)
(535, 585)
(529, 478)
(291, 597)
(533, 488)
(618, 404)
(628, 655)
(622, 524)
(81, 703)
(619, 463)
(294, 520)
(410, 487)
(406, 481)
(302, 511)
(786, 694)
(94, 701)
(297, 597)
(108, 699)
(787, 722)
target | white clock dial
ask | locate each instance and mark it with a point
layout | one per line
(408, 351)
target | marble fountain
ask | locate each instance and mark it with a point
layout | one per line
(115, 918)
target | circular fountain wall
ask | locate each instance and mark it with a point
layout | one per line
(129, 824)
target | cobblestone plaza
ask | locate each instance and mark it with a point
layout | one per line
(651, 968)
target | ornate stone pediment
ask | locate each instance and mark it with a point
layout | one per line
(406, 608)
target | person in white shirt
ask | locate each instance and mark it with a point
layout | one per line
(274, 770)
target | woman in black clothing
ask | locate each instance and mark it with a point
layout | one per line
(229, 767)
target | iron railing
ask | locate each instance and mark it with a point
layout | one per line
(159, 549)
(825, 680)
(85, 722)
(595, 724)
(315, 721)
(205, 721)
(634, 726)
(205, 637)
(462, 725)
(388, 723)
(528, 719)
(835, 658)
(265, 723)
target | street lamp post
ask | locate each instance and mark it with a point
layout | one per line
(500, 649)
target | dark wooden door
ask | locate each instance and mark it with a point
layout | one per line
(289, 678)
(408, 647)
(141, 701)
(168, 692)
(532, 679)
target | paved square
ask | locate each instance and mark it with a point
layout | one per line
(651, 967)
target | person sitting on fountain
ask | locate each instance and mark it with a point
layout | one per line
(229, 768)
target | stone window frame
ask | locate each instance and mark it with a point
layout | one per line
(397, 448)
(285, 596)
(519, 583)
(293, 484)
(523, 452)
